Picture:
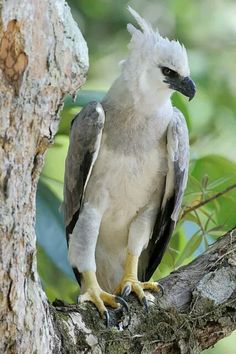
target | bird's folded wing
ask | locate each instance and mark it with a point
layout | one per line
(85, 139)
(176, 179)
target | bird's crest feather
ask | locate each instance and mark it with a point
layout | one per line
(143, 24)
(147, 44)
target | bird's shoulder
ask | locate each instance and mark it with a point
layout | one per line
(88, 122)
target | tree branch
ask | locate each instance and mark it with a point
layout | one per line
(197, 309)
(204, 202)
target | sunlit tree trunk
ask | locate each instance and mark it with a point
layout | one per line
(43, 56)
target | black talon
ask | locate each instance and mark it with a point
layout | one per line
(145, 303)
(107, 318)
(122, 302)
(161, 289)
(126, 291)
(58, 303)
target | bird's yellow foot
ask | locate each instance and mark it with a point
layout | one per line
(93, 293)
(129, 285)
(130, 282)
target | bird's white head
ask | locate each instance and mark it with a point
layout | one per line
(156, 63)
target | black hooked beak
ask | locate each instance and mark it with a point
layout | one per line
(185, 85)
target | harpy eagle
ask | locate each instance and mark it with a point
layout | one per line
(126, 171)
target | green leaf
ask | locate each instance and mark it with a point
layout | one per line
(55, 283)
(223, 171)
(54, 269)
(194, 181)
(217, 228)
(73, 106)
(53, 171)
(189, 249)
(204, 181)
(67, 115)
(180, 102)
(206, 243)
(191, 217)
(218, 182)
(50, 228)
(176, 245)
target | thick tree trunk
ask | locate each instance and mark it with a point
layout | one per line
(42, 57)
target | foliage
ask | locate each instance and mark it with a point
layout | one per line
(210, 118)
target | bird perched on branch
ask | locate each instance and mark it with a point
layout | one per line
(126, 171)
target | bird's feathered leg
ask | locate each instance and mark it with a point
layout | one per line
(139, 234)
(82, 246)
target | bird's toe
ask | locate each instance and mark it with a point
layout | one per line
(122, 302)
(145, 303)
(126, 290)
(106, 318)
(153, 286)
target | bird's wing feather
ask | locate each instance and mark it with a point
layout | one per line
(176, 179)
(85, 138)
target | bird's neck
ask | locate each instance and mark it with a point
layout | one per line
(136, 95)
(134, 123)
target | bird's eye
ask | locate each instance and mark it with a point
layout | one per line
(168, 72)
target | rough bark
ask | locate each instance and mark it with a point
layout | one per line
(42, 57)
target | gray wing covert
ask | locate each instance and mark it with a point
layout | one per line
(178, 150)
(176, 180)
(85, 138)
